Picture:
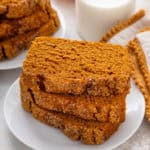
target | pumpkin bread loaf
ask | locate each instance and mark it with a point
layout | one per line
(22, 22)
(89, 132)
(110, 109)
(77, 67)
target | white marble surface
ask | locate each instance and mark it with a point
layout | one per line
(140, 141)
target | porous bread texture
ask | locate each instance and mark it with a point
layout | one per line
(88, 132)
(14, 9)
(86, 107)
(9, 28)
(13, 46)
(77, 67)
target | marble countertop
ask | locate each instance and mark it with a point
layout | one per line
(140, 141)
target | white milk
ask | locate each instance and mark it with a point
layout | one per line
(106, 3)
(96, 17)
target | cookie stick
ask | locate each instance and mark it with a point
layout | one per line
(138, 73)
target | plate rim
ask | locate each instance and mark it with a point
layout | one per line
(63, 23)
(31, 146)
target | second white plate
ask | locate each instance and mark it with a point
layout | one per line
(17, 61)
(42, 137)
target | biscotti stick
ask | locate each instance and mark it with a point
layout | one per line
(139, 50)
(143, 46)
(144, 40)
(126, 30)
(147, 47)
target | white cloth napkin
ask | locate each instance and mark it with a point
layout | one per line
(130, 32)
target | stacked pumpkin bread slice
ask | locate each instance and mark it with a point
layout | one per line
(23, 20)
(78, 87)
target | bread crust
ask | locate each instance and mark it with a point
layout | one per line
(86, 107)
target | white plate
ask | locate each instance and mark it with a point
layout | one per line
(17, 61)
(42, 137)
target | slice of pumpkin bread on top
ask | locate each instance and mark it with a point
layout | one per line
(109, 109)
(78, 67)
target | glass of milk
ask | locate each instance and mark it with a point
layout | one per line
(96, 17)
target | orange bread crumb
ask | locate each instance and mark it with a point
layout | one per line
(140, 73)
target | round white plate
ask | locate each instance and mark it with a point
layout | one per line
(17, 61)
(42, 137)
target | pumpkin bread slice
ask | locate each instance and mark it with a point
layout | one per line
(78, 67)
